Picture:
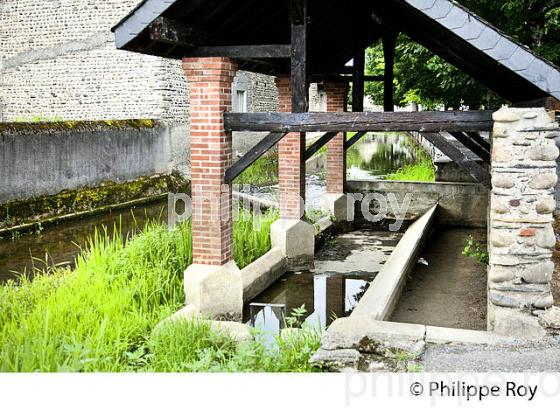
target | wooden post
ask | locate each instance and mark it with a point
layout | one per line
(300, 96)
(389, 43)
(358, 83)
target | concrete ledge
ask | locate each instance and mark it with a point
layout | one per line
(323, 225)
(460, 204)
(445, 335)
(251, 200)
(365, 344)
(262, 273)
(383, 295)
(366, 334)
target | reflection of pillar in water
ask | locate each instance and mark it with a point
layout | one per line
(299, 291)
(336, 297)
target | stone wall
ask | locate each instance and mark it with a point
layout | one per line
(58, 60)
(520, 231)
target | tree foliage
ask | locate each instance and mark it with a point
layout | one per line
(424, 78)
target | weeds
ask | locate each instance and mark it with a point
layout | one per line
(264, 171)
(423, 171)
(99, 317)
(477, 250)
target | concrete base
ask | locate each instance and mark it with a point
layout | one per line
(238, 332)
(337, 206)
(215, 291)
(514, 323)
(296, 241)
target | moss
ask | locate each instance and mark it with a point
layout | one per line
(46, 207)
(58, 126)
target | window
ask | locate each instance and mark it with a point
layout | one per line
(241, 97)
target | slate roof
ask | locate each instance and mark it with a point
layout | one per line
(339, 29)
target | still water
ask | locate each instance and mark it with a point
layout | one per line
(344, 268)
(372, 158)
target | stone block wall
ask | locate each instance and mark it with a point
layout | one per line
(58, 60)
(521, 236)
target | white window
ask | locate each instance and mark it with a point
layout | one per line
(241, 97)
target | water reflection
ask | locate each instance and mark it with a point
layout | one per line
(344, 271)
(60, 245)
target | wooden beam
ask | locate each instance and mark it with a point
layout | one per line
(252, 155)
(354, 139)
(389, 43)
(358, 83)
(334, 78)
(170, 31)
(428, 121)
(298, 11)
(299, 69)
(317, 145)
(472, 146)
(479, 140)
(243, 52)
(471, 167)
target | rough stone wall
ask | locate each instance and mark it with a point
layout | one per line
(521, 233)
(59, 61)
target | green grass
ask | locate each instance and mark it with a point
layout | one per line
(414, 172)
(99, 317)
(264, 171)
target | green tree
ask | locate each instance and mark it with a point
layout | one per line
(424, 78)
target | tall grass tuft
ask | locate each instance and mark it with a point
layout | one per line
(414, 172)
(99, 317)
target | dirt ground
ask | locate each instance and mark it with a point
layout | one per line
(451, 290)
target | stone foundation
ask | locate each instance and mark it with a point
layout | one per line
(521, 236)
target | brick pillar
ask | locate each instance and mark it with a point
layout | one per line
(335, 201)
(521, 237)
(292, 235)
(337, 95)
(291, 167)
(213, 282)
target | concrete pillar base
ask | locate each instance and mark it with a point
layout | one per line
(514, 323)
(337, 206)
(296, 240)
(215, 291)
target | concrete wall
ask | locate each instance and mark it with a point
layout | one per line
(460, 204)
(42, 160)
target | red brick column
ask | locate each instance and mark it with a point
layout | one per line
(210, 81)
(337, 94)
(291, 167)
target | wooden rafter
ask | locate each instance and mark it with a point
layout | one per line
(317, 145)
(252, 155)
(475, 170)
(472, 145)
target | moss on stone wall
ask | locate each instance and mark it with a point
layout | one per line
(58, 126)
(107, 194)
